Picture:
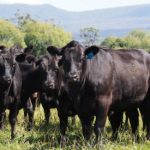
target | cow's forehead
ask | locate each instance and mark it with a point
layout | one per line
(5, 56)
(74, 50)
(47, 59)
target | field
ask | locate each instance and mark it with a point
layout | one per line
(46, 137)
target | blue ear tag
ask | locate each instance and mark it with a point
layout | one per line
(90, 55)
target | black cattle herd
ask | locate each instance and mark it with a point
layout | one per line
(76, 80)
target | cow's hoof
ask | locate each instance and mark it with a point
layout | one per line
(63, 141)
(148, 137)
(2, 127)
(12, 138)
(30, 127)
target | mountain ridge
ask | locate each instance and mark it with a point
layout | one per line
(119, 19)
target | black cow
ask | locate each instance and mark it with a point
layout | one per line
(10, 87)
(26, 58)
(98, 80)
(65, 103)
(49, 97)
(35, 79)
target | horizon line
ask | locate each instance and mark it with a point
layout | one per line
(113, 7)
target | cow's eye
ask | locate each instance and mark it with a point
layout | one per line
(56, 69)
(14, 65)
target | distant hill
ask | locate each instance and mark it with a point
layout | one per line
(115, 21)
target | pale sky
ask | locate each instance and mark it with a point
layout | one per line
(80, 5)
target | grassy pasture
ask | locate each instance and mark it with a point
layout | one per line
(46, 137)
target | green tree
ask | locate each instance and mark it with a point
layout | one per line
(135, 39)
(41, 35)
(138, 39)
(121, 43)
(10, 35)
(109, 42)
(89, 36)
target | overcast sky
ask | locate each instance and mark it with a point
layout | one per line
(80, 5)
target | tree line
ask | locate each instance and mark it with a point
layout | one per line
(134, 39)
(27, 31)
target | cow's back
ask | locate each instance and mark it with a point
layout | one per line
(131, 75)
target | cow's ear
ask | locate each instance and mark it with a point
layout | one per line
(53, 50)
(91, 52)
(2, 47)
(28, 49)
(21, 57)
(30, 58)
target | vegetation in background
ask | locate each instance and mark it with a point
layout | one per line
(135, 39)
(10, 35)
(41, 35)
(28, 31)
(89, 36)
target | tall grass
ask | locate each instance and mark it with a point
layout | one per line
(44, 137)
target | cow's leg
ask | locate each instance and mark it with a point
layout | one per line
(86, 125)
(126, 121)
(115, 119)
(63, 127)
(46, 107)
(12, 119)
(25, 113)
(2, 112)
(146, 114)
(73, 120)
(33, 100)
(30, 112)
(46, 113)
(2, 118)
(101, 115)
(147, 123)
(141, 108)
(134, 120)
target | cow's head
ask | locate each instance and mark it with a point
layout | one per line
(7, 66)
(30, 57)
(74, 58)
(49, 68)
(26, 55)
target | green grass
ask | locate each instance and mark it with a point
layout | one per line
(46, 137)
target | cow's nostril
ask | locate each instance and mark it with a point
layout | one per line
(73, 74)
(7, 79)
(50, 84)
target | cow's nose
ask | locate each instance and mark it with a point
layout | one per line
(50, 84)
(6, 78)
(73, 74)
